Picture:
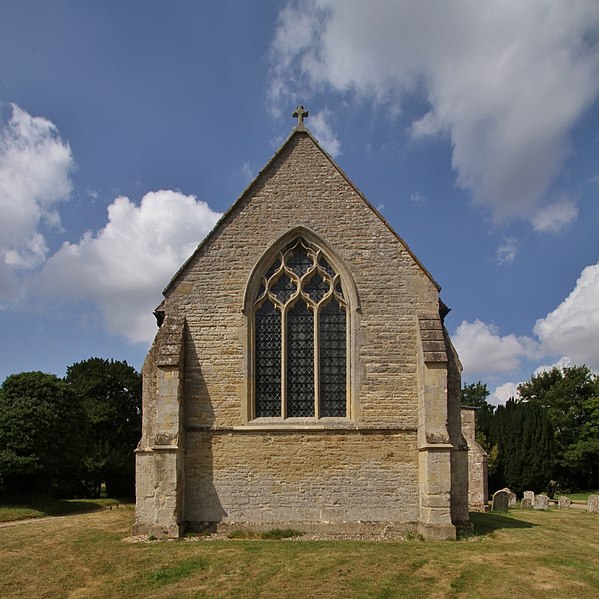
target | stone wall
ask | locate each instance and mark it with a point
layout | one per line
(478, 485)
(369, 466)
(301, 476)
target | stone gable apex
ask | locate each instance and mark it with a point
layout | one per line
(303, 131)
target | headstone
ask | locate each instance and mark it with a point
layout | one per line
(501, 501)
(512, 497)
(541, 502)
(593, 504)
(529, 495)
(563, 502)
(526, 503)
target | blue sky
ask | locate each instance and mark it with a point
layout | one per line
(126, 128)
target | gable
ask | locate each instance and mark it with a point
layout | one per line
(304, 181)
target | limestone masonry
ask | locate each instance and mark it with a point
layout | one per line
(301, 375)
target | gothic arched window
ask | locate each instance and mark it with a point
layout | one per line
(300, 337)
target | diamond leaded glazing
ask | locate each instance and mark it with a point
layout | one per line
(332, 360)
(300, 361)
(268, 360)
(301, 301)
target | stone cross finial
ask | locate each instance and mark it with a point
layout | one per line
(300, 114)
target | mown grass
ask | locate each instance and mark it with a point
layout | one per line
(521, 553)
(581, 496)
(40, 507)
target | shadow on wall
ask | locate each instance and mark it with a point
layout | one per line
(202, 503)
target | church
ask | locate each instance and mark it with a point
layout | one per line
(301, 376)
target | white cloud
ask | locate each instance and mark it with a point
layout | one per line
(246, 172)
(319, 125)
(506, 81)
(563, 362)
(554, 217)
(503, 392)
(572, 329)
(417, 197)
(124, 266)
(507, 251)
(483, 350)
(35, 168)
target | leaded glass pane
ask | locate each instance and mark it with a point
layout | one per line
(332, 367)
(300, 361)
(338, 288)
(300, 262)
(326, 267)
(268, 361)
(284, 288)
(316, 288)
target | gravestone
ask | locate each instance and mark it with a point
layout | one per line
(501, 500)
(541, 502)
(563, 502)
(526, 503)
(593, 504)
(511, 495)
(529, 495)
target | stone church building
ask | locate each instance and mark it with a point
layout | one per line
(302, 375)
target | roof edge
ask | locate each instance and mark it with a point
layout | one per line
(297, 130)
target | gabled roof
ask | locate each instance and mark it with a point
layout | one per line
(300, 129)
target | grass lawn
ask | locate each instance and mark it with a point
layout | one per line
(582, 496)
(39, 507)
(523, 553)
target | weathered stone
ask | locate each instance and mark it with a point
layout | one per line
(396, 456)
(529, 495)
(593, 504)
(501, 501)
(511, 495)
(478, 488)
(563, 502)
(526, 503)
(541, 502)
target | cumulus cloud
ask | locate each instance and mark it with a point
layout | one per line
(35, 169)
(504, 81)
(503, 392)
(124, 266)
(554, 217)
(323, 131)
(572, 329)
(483, 350)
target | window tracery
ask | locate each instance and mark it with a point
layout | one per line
(300, 337)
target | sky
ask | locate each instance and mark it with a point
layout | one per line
(128, 128)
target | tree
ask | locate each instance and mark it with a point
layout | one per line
(524, 435)
(110, 392)
(475, 395)
(42, 431)
(571, 397)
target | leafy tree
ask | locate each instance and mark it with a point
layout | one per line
(571, 397)
(475, 395)
(42, 431)
(111, 395)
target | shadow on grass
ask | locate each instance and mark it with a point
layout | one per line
(488, 522)
(40, 507)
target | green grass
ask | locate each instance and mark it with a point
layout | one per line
(523, 553)
(40, 507)
(581, 496)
